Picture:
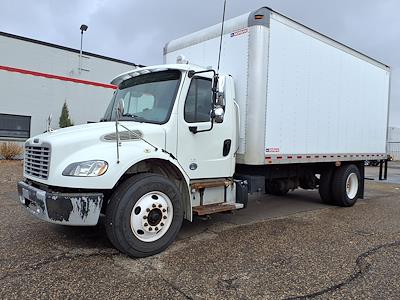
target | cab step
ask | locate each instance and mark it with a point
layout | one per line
(209, 209)
(207, 184)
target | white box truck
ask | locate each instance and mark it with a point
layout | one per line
(289, 108)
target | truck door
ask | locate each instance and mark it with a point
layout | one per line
(209, 154)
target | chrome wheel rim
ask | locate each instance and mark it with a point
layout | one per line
(151, 216)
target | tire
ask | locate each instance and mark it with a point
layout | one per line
(325, 187)
(144, 215)
(346, 185)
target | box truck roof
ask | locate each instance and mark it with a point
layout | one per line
(259, 17)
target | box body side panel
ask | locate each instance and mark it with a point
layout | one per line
(322, 100)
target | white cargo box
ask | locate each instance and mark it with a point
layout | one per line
(303, 97)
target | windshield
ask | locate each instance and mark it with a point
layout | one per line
(147, 98)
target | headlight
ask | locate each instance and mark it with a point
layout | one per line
(90, 168)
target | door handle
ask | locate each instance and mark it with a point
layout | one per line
(227, 147)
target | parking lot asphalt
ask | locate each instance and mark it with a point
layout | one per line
(290, 247)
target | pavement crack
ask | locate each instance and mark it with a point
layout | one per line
(362, 267)
(230, 284)
(170, 284)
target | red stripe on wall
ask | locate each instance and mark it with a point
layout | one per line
(62, 78)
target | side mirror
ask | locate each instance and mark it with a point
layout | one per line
(120, 108)
(218, 114)
(220, 101)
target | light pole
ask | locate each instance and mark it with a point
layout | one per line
(83, 28)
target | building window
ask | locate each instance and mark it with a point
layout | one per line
(15, 127)
(198, 101)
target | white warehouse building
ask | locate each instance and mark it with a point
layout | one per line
(36, 78)
(394, 142)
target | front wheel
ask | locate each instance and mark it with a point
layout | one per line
(144, 215)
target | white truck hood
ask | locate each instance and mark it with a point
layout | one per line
(87, 134)
(94, 142)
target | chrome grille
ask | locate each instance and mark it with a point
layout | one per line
(37, 161)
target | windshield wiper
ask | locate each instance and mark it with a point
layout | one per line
(135, 117)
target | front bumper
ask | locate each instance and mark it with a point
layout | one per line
(59, 208)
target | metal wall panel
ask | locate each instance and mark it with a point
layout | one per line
(394, 134)
(394, 142)
(394, 150)
(24, 90)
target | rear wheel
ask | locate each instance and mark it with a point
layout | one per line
(144, 215)
(346, 185)
(325, 187)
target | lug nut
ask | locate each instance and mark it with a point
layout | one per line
(164, 217)
(159, 205)
(148, 209)
(154, 205)
(145, 217)
(150, 228)
(156, 228)
(164, 210)
(145, 224)
(162, 224)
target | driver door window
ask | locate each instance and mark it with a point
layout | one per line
(199, 101)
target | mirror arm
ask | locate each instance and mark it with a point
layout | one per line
(117, 135)
(191, 73)
(214, 89)
(193, 129)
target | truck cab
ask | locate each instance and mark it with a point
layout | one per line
(183, 108)
(165, 148)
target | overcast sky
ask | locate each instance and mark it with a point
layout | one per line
(137, 31)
